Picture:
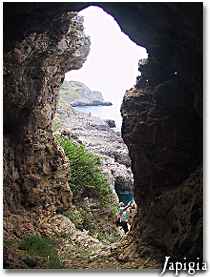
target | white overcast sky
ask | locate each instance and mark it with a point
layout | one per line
(112, 64)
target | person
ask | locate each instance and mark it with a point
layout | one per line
(122, 217)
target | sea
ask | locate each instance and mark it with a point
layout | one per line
(105, 112)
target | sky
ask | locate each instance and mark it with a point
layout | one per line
(112, 64)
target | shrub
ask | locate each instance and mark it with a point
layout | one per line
(85, 170)
(36, 245)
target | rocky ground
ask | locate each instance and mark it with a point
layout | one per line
(81, 251)
(76, 250)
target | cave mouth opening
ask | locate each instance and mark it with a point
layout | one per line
(110, 69)
(111, 66)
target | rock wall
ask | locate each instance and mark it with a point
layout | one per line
(162, 127)
(162, 116)
(165, 147)
(35, 169)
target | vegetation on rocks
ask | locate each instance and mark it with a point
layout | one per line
(99, 226)
(38, 246)
(94, 204)
(85, 175)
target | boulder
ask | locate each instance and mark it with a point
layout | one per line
(111, 123)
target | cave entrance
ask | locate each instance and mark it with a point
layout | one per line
(165, 151)
(95, 93)
(111, 66)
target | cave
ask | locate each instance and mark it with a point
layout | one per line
(162, 120)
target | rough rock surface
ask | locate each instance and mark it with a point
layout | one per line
(164, 122)
(163, 134)
(35, 170)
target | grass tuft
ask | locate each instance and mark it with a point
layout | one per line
(36, 245)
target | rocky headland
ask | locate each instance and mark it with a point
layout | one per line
(78, 95)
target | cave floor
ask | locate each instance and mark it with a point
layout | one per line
(76, 250)
(107, 264)
(102, 257)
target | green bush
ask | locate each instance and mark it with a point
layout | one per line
(85, 170)
(36, 245)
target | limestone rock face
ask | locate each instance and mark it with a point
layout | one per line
(35, 169)
(162, 127)
(165, 147)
